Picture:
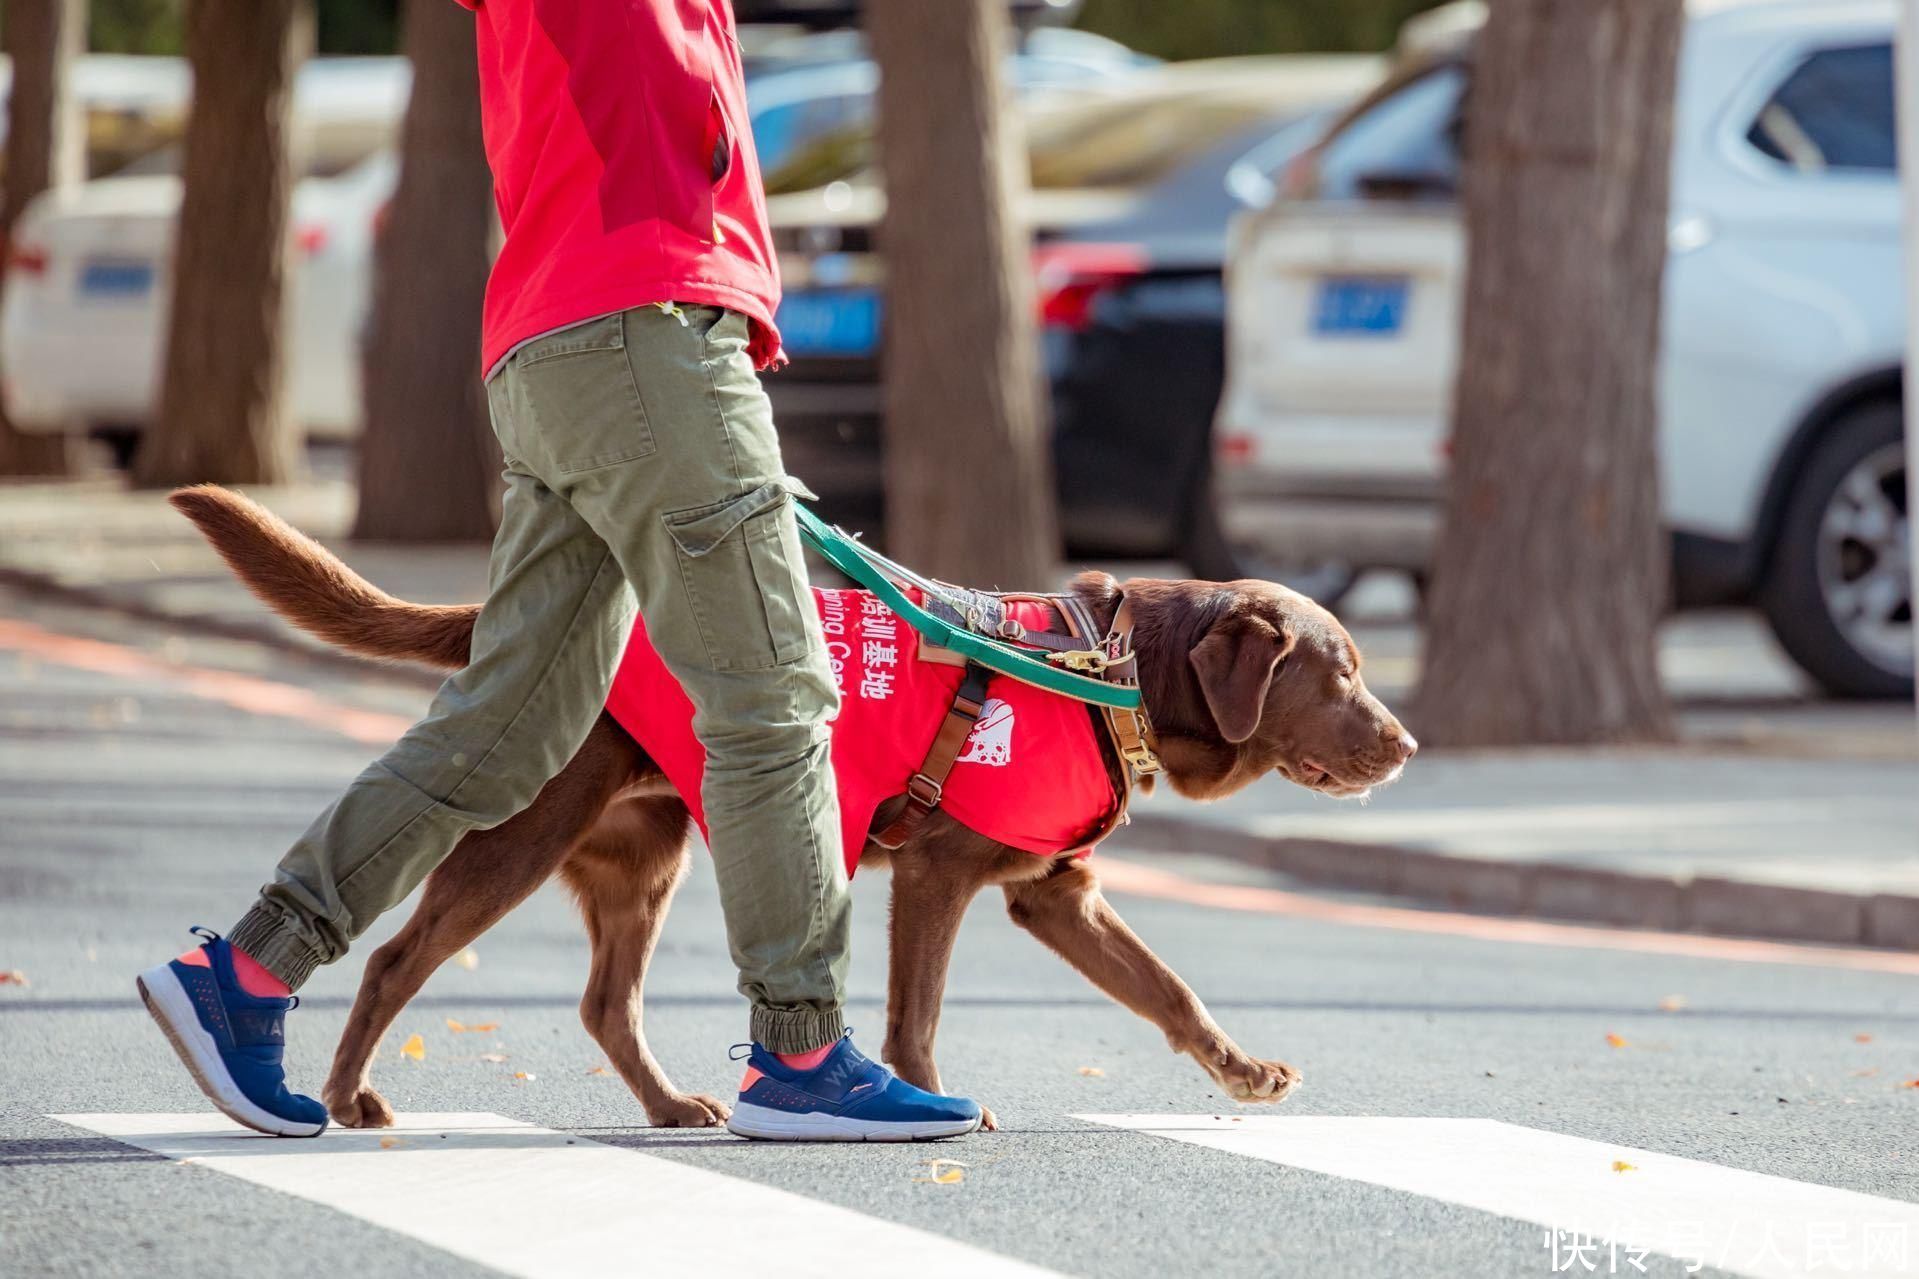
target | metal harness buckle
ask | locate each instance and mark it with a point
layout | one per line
(924, 791)
(1088, 660)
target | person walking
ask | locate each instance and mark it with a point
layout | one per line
(626, 322)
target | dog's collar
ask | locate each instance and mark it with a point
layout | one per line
(1116, 662)
(1132, 729)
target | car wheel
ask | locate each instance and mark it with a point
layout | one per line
(1213, 556)
(1839, 589)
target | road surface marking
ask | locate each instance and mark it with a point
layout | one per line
(1580, 1193)
(535, 1202)
(247, 693)
(1122, 876)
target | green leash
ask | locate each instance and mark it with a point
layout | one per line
(883, 577)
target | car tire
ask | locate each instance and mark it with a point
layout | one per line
(1212, 556)
(1838, 589)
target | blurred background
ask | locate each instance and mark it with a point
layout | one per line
(1567, 372)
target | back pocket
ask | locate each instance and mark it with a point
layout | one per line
(577, 391)
(745, 579)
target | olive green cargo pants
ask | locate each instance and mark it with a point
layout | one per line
(641, 467)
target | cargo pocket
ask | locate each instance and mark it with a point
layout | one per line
(580, 396)
(745, 578)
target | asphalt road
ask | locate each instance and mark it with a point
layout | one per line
(138, 797)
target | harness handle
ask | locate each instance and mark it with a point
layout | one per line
(882, 576)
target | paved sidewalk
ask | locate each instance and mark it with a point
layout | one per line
(94, 541)
(1780, 814)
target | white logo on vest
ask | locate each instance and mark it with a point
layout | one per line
(991, 741)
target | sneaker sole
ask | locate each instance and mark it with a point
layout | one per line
(762, 1123)
(172, 1009)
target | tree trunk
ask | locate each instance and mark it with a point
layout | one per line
(46, 147)
(428, 459)
(222, 412)
(969, 490)
(1550, 577)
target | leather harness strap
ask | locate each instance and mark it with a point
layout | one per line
(1129, 730)
(924, 788)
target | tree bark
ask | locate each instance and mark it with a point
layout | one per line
(222, 415)
(428, 460)
(1550, 577)
(969, 490)
(46, 147)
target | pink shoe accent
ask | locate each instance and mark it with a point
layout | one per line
(807, 1060)
(195, 958)
(751, 1077)
(254, 979)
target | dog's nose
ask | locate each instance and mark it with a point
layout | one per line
(1407, 745)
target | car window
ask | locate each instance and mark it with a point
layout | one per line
(1128, 142)
(780, 131)
(1120, 142)
(1834, 112)
(1411, 133)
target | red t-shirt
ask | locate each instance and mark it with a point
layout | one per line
(623, 165)
(1031, 774)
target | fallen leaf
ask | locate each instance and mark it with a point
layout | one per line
(1672, 1004)
(1092, 1072)
(1910, 1083)
(599, 1070)
(14, 977)
(461, 1028)
(1862, 1039)
(492, 1056)
(526, 1075)
(1620, 1165)
(414, 1047)
(391, 1143)
(1616, 1041)
(468, 959)
(944, 1172)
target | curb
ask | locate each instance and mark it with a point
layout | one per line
(1707, 904)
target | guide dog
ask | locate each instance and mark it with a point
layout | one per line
(1240, 679)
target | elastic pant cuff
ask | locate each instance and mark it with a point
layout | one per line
(792, 1030)
(263, 934)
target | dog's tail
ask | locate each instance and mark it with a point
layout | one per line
(307, 584)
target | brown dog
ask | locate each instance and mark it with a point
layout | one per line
(1241, 679)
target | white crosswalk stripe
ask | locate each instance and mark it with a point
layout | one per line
(535, 1202)
(1579, 1191)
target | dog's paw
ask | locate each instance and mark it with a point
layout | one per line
(361, 1108)
(988, 1121)
(1249, 1079)
(688, 1110)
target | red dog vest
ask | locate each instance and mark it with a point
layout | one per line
(1031, 775)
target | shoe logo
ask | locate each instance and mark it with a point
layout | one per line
(991, 741)
(857, 1087)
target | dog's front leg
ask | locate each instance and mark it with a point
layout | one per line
(930, 895)
(1065, 910)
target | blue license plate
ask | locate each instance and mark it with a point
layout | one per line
(108, 278)
(842, 323)
(1361, 305)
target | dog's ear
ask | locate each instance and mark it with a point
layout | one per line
(1235, 664)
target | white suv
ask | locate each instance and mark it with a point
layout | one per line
(1781, 456)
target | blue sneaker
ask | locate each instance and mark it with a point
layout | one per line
(844, 1098)
(231, 1041)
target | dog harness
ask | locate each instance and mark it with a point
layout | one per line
(1014, 762)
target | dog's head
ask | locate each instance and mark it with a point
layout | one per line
(1246, 678)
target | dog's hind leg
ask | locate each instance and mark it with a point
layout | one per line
(625, 872)
(488, 873)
